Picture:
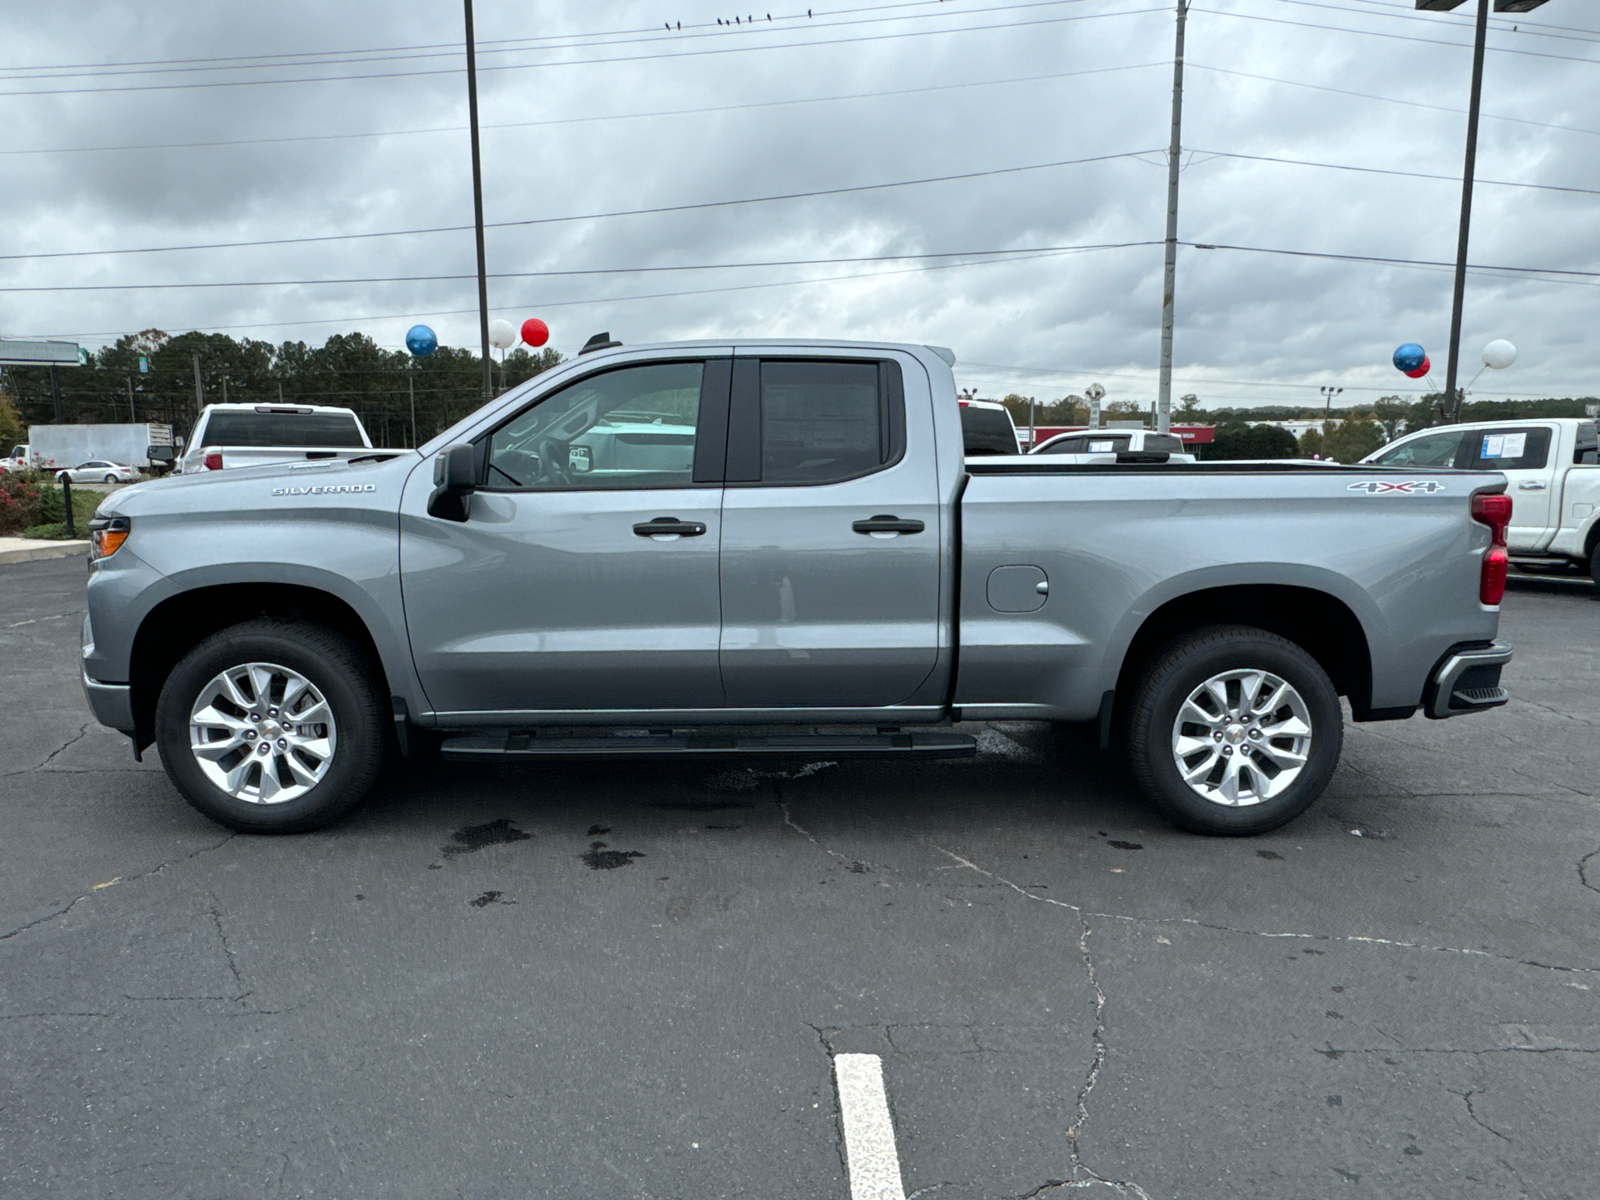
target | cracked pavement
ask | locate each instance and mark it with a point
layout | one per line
(1398, 995)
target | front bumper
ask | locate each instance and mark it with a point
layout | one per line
(111, 703)
(1468, 681)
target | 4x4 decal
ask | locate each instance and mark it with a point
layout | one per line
(1412, 487)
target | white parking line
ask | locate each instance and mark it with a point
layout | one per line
(868, 1132)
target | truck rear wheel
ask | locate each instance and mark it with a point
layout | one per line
(1594, 564)
(1233, 731)
(272, 727)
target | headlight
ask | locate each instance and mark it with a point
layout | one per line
(106, 535)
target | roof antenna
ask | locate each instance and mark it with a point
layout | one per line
(600, 341)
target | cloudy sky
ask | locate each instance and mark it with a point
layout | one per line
(192, 123)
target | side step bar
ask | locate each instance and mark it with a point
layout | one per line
(670, 743)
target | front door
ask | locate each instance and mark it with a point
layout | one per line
(1523, 456)
(585, 577)
(830, 534)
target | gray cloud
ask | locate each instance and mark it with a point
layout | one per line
(1053, 322)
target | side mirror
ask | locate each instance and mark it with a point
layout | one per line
(455, 478)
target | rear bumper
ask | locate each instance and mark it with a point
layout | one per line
(1468, 681)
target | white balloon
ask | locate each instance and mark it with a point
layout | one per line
(501, 335)
(1499, 354)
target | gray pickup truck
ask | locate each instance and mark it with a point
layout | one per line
(778, 548)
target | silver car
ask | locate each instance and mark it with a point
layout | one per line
(99, 470)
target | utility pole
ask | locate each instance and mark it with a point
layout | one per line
(1451, 399)
(55, 395)
(199, 388)
(411, 386)
(477, 204)
(133, 416)
(1174, 153)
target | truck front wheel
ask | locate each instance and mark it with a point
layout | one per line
(272, 726)
(1594, 564)
(1233, 731)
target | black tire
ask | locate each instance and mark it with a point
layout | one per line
(335, 667)
(1173, 675)
(111, 478)
(1594, 564)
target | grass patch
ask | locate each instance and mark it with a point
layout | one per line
(54, 525)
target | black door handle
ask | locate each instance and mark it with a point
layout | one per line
(885, 523)
(664, 525)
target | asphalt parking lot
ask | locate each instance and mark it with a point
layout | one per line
(630, 980)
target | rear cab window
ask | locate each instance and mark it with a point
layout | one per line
(987, 431)
(1508, 449)
(322, 430)
(814, 421)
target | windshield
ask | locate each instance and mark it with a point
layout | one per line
(254, 429)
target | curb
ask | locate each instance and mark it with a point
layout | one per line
(45, 550)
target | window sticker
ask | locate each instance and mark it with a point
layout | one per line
(1493, 445)
(1101, 447)
(1516, 445)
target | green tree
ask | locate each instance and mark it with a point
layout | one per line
(1391, 412)
(1311, 444)
(1238, 440)
(1353, 440)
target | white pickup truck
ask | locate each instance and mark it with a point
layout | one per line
(253, 435)
(1554, 483)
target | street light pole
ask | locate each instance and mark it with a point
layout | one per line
(1453, 401)
(1169, 277)
(477, 203)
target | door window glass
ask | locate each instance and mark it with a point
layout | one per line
(821, 421)
(1508, 449)
(629, 428)
(1429, 450)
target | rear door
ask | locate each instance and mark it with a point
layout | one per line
(830, 533)
(1522, 453)
(585, 577)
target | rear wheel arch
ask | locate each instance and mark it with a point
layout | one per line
(176, 625)
(1319, 623)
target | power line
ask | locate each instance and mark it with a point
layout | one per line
(1498, 24)
(1568, 276)
(548, 304)
(633, 116)
(878, 37)
(450, 50)
(633, 212)
(1393, 37)
(552, 37)
(1318, 87)
(586, 272)
(1191, 381)
(1300, 162)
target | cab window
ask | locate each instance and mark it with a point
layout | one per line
(1508, 449)
(629, 428)
(1429, 450)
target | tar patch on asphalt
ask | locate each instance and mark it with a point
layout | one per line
(489, 898)
(599, 858)
(1122, 845)
(1272, 854)
(476, 837)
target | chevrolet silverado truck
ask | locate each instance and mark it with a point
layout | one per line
(778, 548)
(1553, 476)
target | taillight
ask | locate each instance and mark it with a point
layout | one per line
(1494, 510)
(213, 460)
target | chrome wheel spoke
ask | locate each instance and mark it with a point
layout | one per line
(1262, 739)
(258, 753)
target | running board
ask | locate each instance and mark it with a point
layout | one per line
(527, 744)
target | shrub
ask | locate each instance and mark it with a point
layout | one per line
(20, 501)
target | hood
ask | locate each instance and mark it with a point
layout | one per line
(177, 493)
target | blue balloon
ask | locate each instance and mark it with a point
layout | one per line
(421, 341)
(1409, 357)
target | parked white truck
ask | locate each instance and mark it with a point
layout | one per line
(142, 446)
(254, 435)
(1550, 465)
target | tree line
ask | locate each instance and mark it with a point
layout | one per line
(349, 370)
(1354, 431)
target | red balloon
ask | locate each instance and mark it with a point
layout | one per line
(535, 332)
(1421, 370)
